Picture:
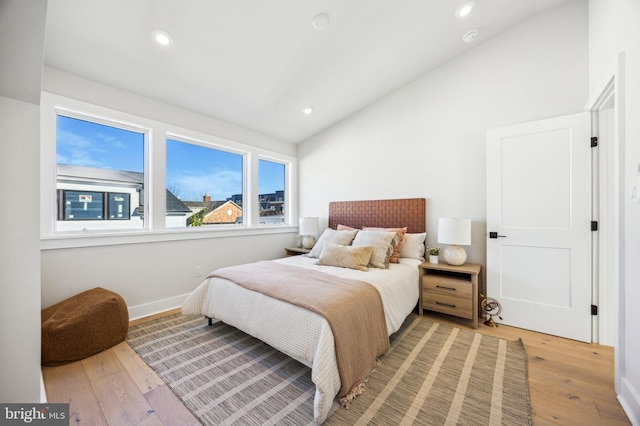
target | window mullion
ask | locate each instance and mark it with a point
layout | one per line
(251, 198)
(155, 186)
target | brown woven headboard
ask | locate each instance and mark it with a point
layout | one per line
(409, 212)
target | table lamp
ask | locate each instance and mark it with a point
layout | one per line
(457, 232)
(309, 228)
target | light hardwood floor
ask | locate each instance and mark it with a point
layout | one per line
(571, 383)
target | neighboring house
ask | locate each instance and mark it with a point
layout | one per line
(95, 198)
(215, 212)
(206, 203)
(228, 212)
(177, 212)
(271, 206)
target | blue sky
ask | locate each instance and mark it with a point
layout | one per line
(192, 170)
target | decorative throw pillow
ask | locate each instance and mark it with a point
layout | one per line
(395, 256)
(346, 256)
(343, 238)
(413, 246)
(345, 228)
(382, 242)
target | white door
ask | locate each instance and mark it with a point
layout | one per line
(539, 225)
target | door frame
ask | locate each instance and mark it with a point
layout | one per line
(611, 239)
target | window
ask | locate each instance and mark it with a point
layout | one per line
(87, 205)
(100, 175)
(82, 205)
(204, 184)
(118, 206)
(271, 195)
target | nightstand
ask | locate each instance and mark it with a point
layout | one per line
(294, 251)
(449, 289)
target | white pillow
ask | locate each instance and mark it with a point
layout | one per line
(413, 246)
(382, 242)
(343, 238)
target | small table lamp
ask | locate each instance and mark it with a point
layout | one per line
(458, 233)
(309, 228)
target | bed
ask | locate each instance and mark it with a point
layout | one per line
(303, 334)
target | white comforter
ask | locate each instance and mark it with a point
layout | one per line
(297, 332)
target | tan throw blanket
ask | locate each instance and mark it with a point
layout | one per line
(352, 308)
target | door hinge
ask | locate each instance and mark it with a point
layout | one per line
(594, 310)
(594, 225)
(594, 141)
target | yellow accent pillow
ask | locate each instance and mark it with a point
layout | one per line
(346, 256)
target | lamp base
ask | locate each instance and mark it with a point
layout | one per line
(455, 255)
(308, 241)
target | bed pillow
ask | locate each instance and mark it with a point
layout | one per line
(413, 246)
(345, 228)
(346, 256)
(382, 242)
(343, 238)
(395, 256)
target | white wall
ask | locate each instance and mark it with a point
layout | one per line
(152, 276)
(614, 27)
(19, 252)
(21, 55)
(428, 139)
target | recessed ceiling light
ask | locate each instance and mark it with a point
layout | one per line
(320, 21)
(307, 110)
(465, 9)
(470, 36)
(162, 37)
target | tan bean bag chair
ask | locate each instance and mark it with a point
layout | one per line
(83, 325)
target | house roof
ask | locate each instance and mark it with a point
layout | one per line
(175, 205)
(71, 173)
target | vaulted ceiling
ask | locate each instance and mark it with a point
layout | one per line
(258, 63)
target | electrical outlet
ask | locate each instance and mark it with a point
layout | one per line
(197, 271)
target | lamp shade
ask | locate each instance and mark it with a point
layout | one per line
(454, 231)
(309, 226)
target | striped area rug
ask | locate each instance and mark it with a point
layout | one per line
(434, 374)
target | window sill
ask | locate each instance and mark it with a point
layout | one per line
(97, 239)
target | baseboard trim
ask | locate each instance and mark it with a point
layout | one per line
(43, 390)
(630, 401)
(156, 307)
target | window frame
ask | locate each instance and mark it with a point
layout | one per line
(287, 194)
(156, 133)
(212, 143)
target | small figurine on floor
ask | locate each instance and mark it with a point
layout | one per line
(491, 307)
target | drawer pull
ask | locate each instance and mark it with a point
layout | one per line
(446, 288)
(445, 304)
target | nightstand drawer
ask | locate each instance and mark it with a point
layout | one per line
(457, 306)
(446, 286)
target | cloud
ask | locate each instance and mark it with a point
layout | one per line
(93, 149)
(77, 150)
(220, 184)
